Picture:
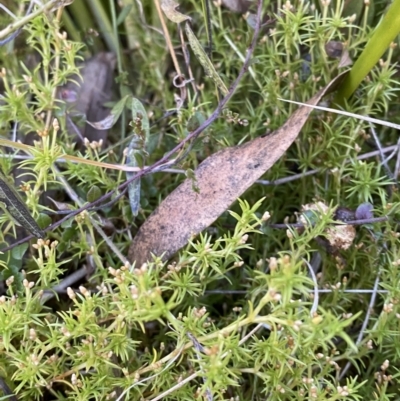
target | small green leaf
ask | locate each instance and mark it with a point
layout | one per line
(205, 62)
(43, 220)
(93, 194)
(19, 251)
(195, 121)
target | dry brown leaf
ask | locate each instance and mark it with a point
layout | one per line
(169, 8)
(221, 179)
(94, 90)
(237, 6)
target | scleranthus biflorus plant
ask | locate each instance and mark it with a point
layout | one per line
(288, 295)
(95, 348)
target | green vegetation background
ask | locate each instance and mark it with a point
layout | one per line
(235, 314)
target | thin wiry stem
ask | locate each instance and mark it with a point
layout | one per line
(167, 38)
(73, 195)
(23, 21)
(176, 387)
(375, 292)
(339, 223)
(12, 15)
(64, 284)
(320, 291)
(200, 349)
(314, 307)
(18, 31)
(381, 155)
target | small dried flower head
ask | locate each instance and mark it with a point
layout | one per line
(65, 331)
(28, 284)
(35, 359)
(273, 263)
(103, 288)
(84, 291)
(277, 297)
(313, 391)
(385, 365)
(199, 312)
(71, 293)
(32, 334)
(343, 391)
(56, 125)
(112, 395)
(352, 18)
(238, 263)
(244, 239)
(74, 379)
(297, 324)
(9, 281)
(266, 216)
(39, 244)
(280, 389)
(43, 133)
(134, 292)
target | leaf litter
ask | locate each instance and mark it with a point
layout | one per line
(220, 180)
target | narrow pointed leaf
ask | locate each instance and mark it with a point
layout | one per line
(205, 62)
(137, 151)
(17, 208)
(220, 180)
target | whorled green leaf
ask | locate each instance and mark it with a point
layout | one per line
(17, 208)
(169, 8)
(205, 62)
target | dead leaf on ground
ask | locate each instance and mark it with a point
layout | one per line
(94, 90)
(220, 179)
(169, 8)
(237, 6)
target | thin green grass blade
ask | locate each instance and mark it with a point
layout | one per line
(384, 34)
